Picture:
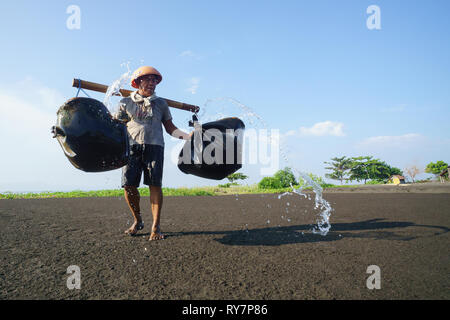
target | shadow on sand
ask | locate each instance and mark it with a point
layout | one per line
(274, 236)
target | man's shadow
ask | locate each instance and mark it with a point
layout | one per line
(275, 236)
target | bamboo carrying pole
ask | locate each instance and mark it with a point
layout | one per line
(78, 83)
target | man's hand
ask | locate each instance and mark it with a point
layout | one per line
(119, 121)
(175, 132)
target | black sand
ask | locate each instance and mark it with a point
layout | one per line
(210, 254)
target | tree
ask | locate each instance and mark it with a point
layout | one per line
(286, 177)
(395, 171)
(340, 167)
(359, 168)
(436, 168)
(412, 171)
(236, 176)
(269, 183)
(386, 171)
(281, 179)
(367, 168)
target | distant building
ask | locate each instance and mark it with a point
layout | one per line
(397, 179)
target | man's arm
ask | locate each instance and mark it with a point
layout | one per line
(174, 131)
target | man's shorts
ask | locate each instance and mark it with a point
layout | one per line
(147, 159)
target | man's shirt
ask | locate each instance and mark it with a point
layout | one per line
(145, 117)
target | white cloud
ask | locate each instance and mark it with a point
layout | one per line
(32, 159)
(27, 142)
(190, 54)
(326, 128)
(21, 117)
(406, 140)
(290, 133)
(186, 53)
(193, 85)
(50, 98)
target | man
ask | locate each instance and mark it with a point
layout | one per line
(144, 113)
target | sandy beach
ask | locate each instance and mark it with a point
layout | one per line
(231, 247)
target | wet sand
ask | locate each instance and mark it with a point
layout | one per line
(230, 247)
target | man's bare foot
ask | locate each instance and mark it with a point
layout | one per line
(156, 234)
(137, 225)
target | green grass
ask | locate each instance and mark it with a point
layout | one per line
(201, 191)
(71, 194)
(104, 193)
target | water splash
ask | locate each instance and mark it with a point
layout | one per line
(251, 118)
(114, 88)
(222, 109)
(323, 221)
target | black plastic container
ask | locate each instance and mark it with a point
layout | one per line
(90, 139)
(229, 142)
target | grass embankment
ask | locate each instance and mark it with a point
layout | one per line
(201, 191)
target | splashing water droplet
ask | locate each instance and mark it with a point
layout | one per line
(252, 118)
(114, 88)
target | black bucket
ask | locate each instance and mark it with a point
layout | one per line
(90, 139)
(215, 150)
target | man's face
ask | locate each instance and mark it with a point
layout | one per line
(147, 85)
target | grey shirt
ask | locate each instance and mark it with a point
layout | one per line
(144, 121)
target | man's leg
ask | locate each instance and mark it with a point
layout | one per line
(156, 201)
(132, 198)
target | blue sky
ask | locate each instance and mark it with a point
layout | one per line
(311, 69)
